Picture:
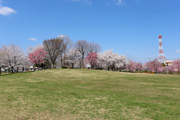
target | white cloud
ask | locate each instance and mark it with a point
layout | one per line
(33, 39)
(118, 2)
(178, 51)
(89, 2)
(6, 10)
(62, 36)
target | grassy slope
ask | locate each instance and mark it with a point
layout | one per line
(89, 94)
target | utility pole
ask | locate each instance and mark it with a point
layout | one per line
(167, 68)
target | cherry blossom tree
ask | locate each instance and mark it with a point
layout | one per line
(25, 65)
(100, 61)
(107, 58)
(117, 62)
(172, 68)
(176, 64)
(120, 62)
(139, 67)
(37, 57)
(12, 56)
(73, 57)
(111, 61)
(131, 66)
(154, 66)
(92, 59)
(134, 66)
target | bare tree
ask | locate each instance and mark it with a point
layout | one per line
(54, 49)
(94, 47)
(67, 44)
(82, 47)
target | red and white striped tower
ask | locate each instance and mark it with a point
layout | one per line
(161, 56)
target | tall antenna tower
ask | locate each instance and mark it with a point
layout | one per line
(161, 56)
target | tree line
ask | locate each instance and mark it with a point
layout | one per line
(61, 52)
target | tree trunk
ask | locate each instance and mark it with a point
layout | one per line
(52, 66)
(43, 66)
(72, 66)
(64, 58)
(61, 62)
(0, 70)
(82, 62)
(12, 69)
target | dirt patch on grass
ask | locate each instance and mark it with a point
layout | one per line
(134, 113)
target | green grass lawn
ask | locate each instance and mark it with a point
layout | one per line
(89, 95)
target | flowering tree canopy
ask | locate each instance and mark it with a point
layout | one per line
(92, 59)
(131, 66)
(73, 57)
(139, 66)
(110, 60)
(176, 64)
(172, 68)
(38, 56)
(154, 66)
(12, 56)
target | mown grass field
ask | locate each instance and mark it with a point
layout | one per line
(89, 95)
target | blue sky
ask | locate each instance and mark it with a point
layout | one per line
(129, 27)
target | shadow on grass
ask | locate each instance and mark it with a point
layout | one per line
(7, 74)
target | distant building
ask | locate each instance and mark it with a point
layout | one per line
(169, 62)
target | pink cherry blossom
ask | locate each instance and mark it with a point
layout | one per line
(38, 56)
